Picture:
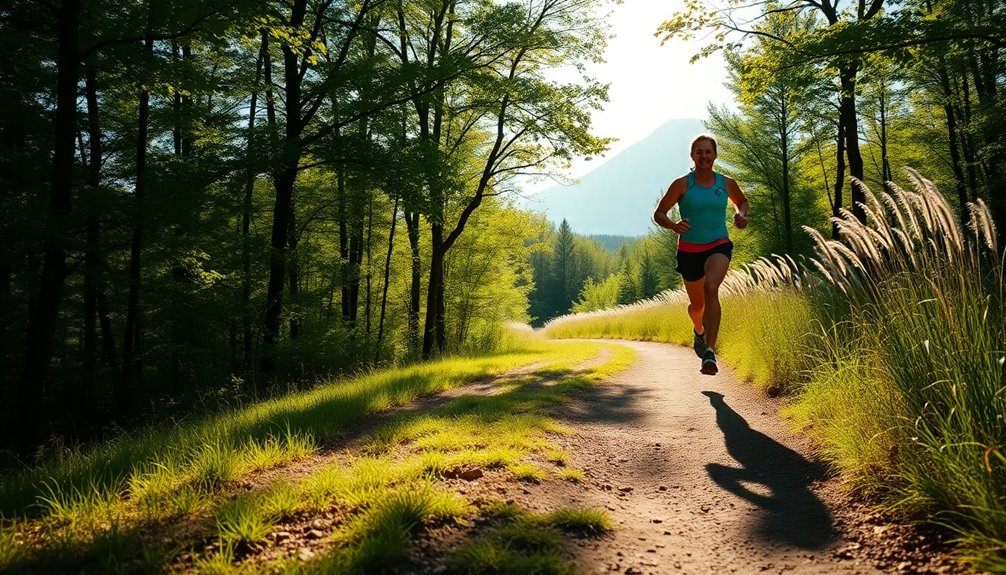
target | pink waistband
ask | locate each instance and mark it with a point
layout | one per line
(695, 248)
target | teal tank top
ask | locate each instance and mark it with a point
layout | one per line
(705, 209)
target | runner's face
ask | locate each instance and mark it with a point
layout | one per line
(703, 154)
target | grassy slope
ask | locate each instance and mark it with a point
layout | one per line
(151, 502)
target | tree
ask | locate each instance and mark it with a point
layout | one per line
(686, 24)
(597, 296)
(44, 310)
(765, 141)
(509, 115)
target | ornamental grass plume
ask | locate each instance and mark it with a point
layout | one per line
(928, 315)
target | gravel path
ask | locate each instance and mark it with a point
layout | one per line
(702, 476)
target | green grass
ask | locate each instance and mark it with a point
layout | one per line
(761, 336)
(10, 551)
(526, 542)
(381, 498)
(243, 522)
(572, 475)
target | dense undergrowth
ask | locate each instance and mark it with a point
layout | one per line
(891, 342)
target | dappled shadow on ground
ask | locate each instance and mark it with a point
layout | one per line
(776, 479)
(605, 404)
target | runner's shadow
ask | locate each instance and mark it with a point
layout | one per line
(775, 478)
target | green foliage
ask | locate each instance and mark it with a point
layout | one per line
(561, 271)
(488, 277)
(601, 295)
(261, 113)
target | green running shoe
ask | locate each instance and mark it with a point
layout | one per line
(698, 343)
(709, 362)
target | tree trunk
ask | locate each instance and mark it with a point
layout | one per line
(850, 121)
(246, 279)
(387, 281)
(96, 311)
(884, 159)
(787, 200)
(369, 240)
(431, 334)
(284, 184)
(277, 266)
(839, 177)
(345, 268)
(293, 271)
(415, 283)
(955, 153)
(132, 362)
(27, 423)
(967, 141)
(91, 253)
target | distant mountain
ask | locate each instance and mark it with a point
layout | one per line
(618, 197)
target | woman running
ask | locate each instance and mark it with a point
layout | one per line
(704, 246)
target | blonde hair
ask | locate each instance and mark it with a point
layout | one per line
(701, 137)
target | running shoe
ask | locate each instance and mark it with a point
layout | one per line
(698, 343)
(709, 362)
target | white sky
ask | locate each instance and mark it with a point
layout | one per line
(649, 83)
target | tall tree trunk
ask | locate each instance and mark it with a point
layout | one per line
(369, 251)
(787, 200)
(96, 311)
(953, 144)
(355, 263)
(27, 422)
(132, 352)
(246, 279)
(284, 183)
(387, 281)
(430, 327)
(293, 270)
(839, 177)
(885, 161)
(441, 318)
(850, 121)
(176, 105)
(91, 254)
(415, 280)
(345, 268)
(351, 247)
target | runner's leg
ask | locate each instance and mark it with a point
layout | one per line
(696, 302)
(716, 270)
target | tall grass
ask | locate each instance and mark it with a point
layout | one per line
(929, 329)
(893, 339)
(767, 318)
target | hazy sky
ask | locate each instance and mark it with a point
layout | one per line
(649, 83)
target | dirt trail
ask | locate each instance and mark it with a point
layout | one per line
(702, 476)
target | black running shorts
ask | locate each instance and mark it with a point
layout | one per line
(692, 265)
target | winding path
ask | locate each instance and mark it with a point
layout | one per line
(703, 476)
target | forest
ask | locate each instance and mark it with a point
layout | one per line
(208, 204)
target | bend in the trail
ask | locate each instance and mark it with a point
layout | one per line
(701, 475)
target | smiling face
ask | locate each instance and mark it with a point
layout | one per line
(703, 153)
